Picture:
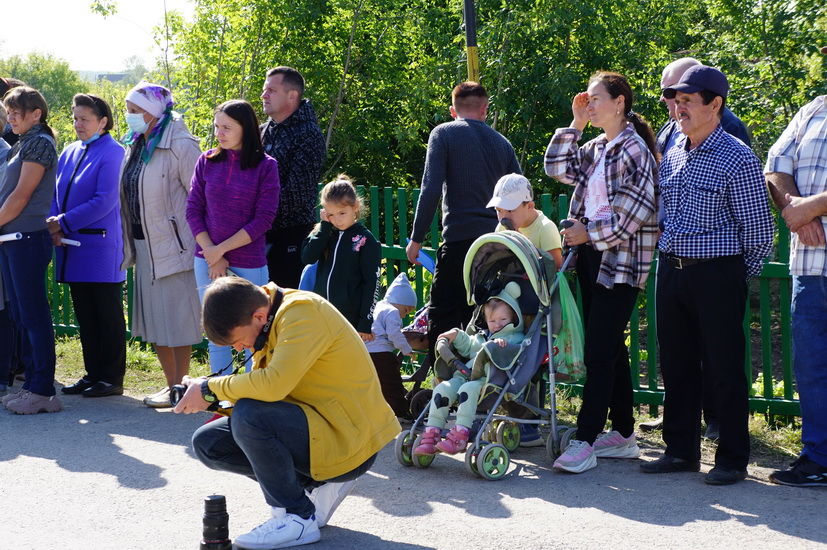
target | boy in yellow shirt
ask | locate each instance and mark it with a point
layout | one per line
(514, 202)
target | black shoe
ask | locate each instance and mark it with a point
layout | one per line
(802, 473)
(713, 430)
(651, 425)
(667, 464)
(78, 387)
(724, 476)
(102, 389)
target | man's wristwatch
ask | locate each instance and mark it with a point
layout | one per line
(207, 394)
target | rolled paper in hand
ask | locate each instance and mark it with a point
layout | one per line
(11, 237)
(70, 242)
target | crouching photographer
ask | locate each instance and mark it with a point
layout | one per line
(308, 419)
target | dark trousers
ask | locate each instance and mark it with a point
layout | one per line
(24, 264)
(99, 312)
(387, 367)
(284, 249)
(700, 315)
(269, 443)
(7, 345)
(448, 307)
(608, 387)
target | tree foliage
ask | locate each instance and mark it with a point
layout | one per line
(379, 72)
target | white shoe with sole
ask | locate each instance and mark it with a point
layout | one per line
(614, 445)
(283, 530)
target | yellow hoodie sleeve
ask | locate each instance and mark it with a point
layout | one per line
(298, 340)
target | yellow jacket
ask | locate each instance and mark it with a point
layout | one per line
(315, 359)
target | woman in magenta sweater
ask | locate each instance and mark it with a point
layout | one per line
(232, 202)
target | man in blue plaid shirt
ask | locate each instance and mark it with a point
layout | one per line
(717, 230)
(796, 172)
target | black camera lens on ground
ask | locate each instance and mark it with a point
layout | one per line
(216, 533)
(176, 393)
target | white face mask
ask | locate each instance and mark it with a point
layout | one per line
(136, 122)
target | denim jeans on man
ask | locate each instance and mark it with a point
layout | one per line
(220, 355)
(24, 275)
(809, 322)
(270, 443)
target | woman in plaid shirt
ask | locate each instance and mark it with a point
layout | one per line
(614, 220)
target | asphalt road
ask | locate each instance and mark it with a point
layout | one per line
(112, 474)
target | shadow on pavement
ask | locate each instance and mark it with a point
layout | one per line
(81, 438)
(615, 487)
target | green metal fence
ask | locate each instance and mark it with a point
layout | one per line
(766, 324)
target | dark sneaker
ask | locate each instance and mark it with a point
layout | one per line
(651, 425)
(724, 476)
(530, 436)
(802, 473)
(667, 464)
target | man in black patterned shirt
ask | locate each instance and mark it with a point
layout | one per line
(292, 136)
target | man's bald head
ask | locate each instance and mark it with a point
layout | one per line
(674, 71)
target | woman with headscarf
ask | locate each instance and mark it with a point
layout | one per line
(155, 181)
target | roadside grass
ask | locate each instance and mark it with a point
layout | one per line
(143, 371)
(775, 441)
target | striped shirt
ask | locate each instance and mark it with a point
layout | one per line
(627, 237)
(714, 201)
(801, 152)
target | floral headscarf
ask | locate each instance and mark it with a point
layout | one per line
(157, 101)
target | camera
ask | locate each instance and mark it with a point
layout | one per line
(176, 393)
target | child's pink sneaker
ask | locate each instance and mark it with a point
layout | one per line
(428, 443)
(455, 442)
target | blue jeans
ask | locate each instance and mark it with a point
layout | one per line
(220, 356)
(7, 335)
(270, 443)
(24, 264)
(809, 319)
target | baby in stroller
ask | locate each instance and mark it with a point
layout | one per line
(462, 382)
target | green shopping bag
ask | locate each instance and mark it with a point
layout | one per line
(569, 343)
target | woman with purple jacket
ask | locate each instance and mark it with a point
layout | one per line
(86, 209)
(232, 202)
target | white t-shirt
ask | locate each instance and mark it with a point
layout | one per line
(597, 196)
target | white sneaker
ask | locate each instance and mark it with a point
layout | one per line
(327, 498)
(577, 458)
(614, 445)
(281, 531)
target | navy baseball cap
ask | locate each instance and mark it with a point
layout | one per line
(697, 78)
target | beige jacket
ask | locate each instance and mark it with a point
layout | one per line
(163, 188)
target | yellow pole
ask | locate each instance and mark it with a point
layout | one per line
(471, 40)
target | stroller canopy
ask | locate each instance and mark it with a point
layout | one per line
(505, 253)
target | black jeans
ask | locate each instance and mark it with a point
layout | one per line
(270, 443)
(284, 249)
(99, 312)
(700, 315)
(608, 388)
(448, 307)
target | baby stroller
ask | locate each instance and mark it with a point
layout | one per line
(493, 260)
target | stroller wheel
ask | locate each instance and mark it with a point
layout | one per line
(565, 437)
(508, 435)
(402, 448)
(420, 461)
(493, 461)
(419, 401)
(553, 447)
(471, 455)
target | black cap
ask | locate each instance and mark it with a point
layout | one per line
(697, 78)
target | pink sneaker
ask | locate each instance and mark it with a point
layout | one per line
(614, 445)
(455, 442)
(33, 403)
(9, 397)
(427, 445)
(578, 457)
